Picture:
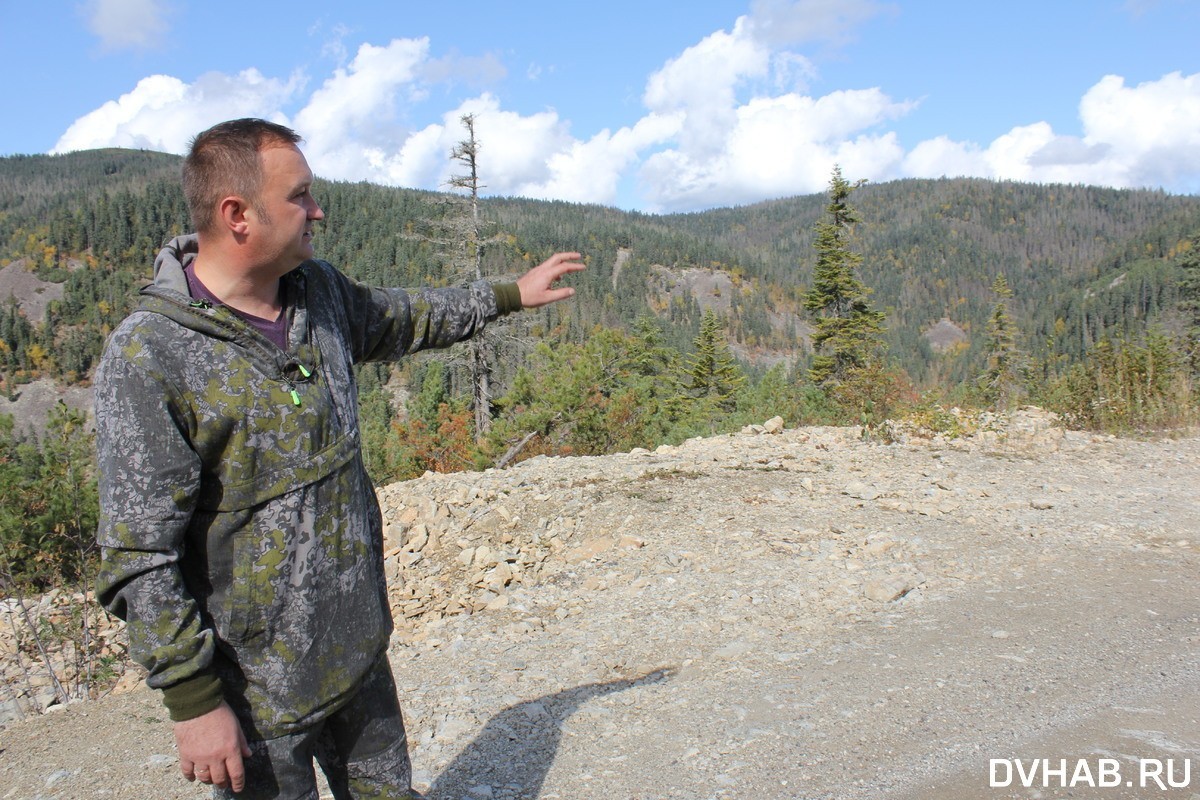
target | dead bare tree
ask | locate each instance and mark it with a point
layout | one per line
(473, 244)
(466, 152)
(464, 240)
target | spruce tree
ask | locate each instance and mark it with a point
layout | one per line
(712, 372)
(1189, 299)
(848, 330)
(1004, 379)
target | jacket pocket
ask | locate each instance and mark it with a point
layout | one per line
(249, 591)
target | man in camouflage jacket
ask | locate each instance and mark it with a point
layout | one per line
(240, 534)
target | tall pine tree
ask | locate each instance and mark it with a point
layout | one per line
(713, 373)
(848, 330)
(1189, 300)
(1006, 375)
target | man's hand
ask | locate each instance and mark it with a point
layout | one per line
(211, 749)
(537, 285)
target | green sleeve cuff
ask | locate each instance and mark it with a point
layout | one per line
(193, 697)
(508, 297)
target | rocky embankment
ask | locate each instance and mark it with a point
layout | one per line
(772, 614)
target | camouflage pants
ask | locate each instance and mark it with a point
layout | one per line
(362, 749)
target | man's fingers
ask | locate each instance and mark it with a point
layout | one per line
(218, 776)
(211, 747)
(237, 774)
(571, 263)
(229, 774)
(566, 268)
(237, 763)
(561, 263)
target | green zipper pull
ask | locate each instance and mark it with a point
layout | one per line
(303, 370)
(295, 397)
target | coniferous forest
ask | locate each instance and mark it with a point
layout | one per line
(988, 294)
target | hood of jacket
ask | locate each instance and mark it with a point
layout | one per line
(173, 259)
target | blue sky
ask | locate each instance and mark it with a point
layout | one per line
(645, 105)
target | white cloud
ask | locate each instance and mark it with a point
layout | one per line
(528, 156)
(514, 150)
(1133, 137)
(136, 24)
(791, 72)
(943, 157)
(702, 82)
(352, 117)
(590, 171)
(163, 113)
(780, 146)
(748, 131)
(421, 161)
(1152, 129)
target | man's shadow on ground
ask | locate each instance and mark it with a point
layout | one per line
(516, 748)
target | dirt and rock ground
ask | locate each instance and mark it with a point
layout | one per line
(797, 614)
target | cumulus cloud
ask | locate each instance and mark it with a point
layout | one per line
(1153, 128)
(352, 120)
(514, 149)
(1133, 137)
(702, 83)
(163, 113)
(943, 157)
(523, 155)
(590, 171)
(356, 126)
(779, 146)
(120, 24)
(748, 131)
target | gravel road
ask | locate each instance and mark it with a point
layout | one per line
(801, 615)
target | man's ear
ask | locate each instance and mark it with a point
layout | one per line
(233, 213)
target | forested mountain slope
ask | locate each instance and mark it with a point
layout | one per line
(1083, 263)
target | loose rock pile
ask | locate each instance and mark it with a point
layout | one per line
(464, 543)
(48, 657)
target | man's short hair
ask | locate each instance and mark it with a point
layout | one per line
(224, 161)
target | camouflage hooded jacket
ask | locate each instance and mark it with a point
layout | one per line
(240, 535)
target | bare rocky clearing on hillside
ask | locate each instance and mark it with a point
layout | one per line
(29, 291)
(30, 408)
(799, 615)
